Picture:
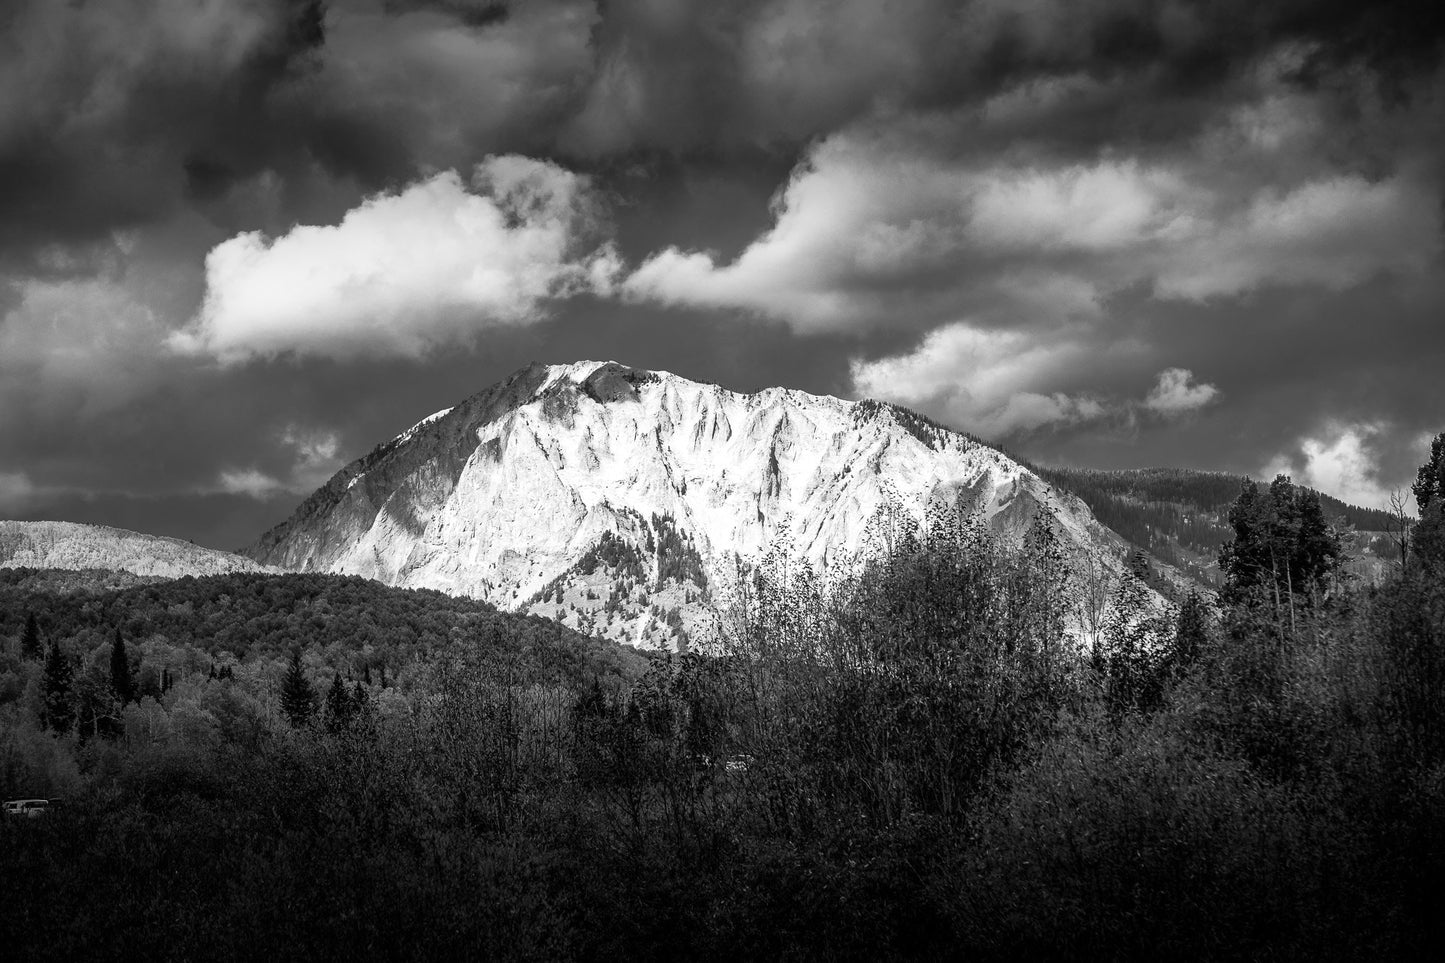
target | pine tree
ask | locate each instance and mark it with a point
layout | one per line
(1284, 553)
(1429, 484)
(58, 709)
(30, 646)
(1428, 537)
(1127, 660)
(298, 698)
(1191, 629)
(338, 705)
(121, 679)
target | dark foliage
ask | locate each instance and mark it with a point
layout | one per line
(1284, 554)
(298, 697)
(910, 763)
(616, 554)
(1181, 516)
(354, 622)
(1428, 537)
(58, 710)
(339, 708)
(122, 677)
(677, 558)
(30, 647)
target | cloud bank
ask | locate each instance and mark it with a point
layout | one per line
(1109, 233)
(881, 219)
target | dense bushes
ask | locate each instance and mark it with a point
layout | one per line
(917, 762)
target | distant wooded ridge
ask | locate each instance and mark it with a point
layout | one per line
(1181, 516)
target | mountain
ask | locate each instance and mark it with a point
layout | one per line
(1181, 517)
(70, 545)
(624, 501)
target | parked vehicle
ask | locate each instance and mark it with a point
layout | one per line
(27, 808)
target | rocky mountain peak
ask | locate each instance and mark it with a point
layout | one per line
(618, 499)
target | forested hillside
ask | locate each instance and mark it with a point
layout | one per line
(1181, 516)
(351, 622)
(916, 762)
(69, 545)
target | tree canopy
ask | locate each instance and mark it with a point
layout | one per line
(1284, 552)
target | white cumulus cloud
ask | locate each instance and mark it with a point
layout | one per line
(989, 382)
(1338, 461)
(405, 273)
(314, 455)
(875, 224)
(251, 482)
(1177, 392)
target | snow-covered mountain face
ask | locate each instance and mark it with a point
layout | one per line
(70, 545)
(620, 500)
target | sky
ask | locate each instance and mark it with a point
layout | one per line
(244, 241)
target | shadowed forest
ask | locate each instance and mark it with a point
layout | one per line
(926, 760)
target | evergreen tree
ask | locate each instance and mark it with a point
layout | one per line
(1191, 630)
(360, 700)
(298, 698)
(58, 709)
(338, 705)
(1428, 538)
(121, 679)
(30, 646)
(1047, 573)
(1284, 553)
(1429, 484)
(1127, 660)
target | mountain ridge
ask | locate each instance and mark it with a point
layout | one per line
(78, 546)
(508, 495)
(1180, 515)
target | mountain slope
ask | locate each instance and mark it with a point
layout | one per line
(70, 545)
(622, 500)
(1181, 516)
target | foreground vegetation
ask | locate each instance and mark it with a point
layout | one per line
(916, 763)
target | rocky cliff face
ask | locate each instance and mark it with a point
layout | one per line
(70, 545)
(620, 500)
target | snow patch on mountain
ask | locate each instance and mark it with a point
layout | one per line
(621, 500)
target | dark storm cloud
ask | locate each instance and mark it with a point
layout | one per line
(118, 114)
(1107, 231)
(701, 76)
(470, 13)
(111, 111)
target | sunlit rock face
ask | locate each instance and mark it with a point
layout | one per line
(70, 545)
(621, 500)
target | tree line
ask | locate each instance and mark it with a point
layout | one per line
(939, 755)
